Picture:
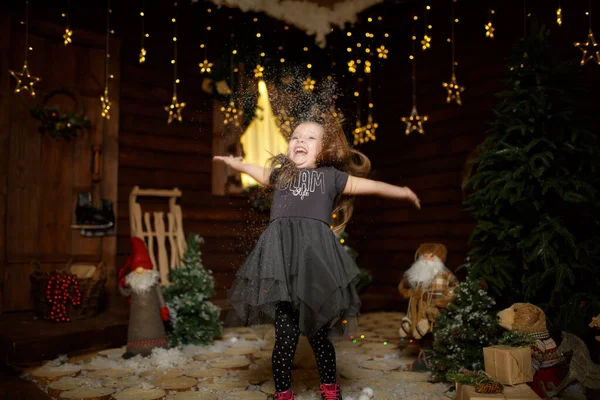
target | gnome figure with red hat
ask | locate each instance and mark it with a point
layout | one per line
(140, 282)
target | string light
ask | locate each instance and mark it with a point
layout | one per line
(382, 52)
(453, 88)
(232, 113)
(68, 35)
(489, 28)
(590, 46)
(206, 66)
(24, 80)
(105, 98)
(258, 71)
(61, 289)
(142, 55)
(176, 106)
(426, 42)
(414, 122)
(309, 84)
(559, 14)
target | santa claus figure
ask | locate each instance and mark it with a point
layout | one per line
(140, 282)
(429, 287)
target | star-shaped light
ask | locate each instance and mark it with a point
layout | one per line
(589, 47)
(174, 110)
(382, 52)
(363, 134)
(352, 66)
(454, 90)
(426, 42)
(205, 67)
(142, 55)
(309, 84)
(489, 30)
(67, 36)
(105, 101)
(24, 80)
(414, 122)
(231, 114)
(258, 71)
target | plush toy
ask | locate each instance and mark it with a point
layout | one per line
(140, 283)
(429, 286)
(530, 319)
(595, 324)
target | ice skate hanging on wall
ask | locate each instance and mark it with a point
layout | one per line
(94, 219)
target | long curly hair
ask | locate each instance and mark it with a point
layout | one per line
(335, 152)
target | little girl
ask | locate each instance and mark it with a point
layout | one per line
(298, 274)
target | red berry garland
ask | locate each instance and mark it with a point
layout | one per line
(58, 292)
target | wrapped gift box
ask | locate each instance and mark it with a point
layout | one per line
(508, 365)
(518, 392)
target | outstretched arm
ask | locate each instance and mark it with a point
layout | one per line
(361, 186)
(260, 174)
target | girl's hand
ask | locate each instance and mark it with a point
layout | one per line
(229, 160)
(412, 197)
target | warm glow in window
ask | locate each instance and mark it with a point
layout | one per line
(262, 139)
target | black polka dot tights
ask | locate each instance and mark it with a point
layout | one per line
(287, 334)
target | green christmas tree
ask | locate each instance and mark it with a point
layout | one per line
(467, 326)
(535, 193)
(192, 318)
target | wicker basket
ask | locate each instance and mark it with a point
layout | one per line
(91, 288)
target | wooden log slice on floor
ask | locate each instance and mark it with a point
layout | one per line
(224, 386)
(231, 364)
(63, 385)
(260, 354)
(207, 356)
(240, 329)
(180, 384)
(110, 353)
(87, 394)
(110, 373)
(140, 394)
(124, 382)
(46, 374)
(205, 373)
(268, 387)
(269, 335)
(240, 351)
(355, 373)
(161, 373)
(408, 376)
(255, 395)
(383, 365)
(199, 395)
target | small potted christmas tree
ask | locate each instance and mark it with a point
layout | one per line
(192, 318)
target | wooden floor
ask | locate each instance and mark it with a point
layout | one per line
(26, 340)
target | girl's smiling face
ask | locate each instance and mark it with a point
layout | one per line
(305, 144)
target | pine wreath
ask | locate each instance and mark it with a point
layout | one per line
(58, 122)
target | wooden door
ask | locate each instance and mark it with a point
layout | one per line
(42, 176)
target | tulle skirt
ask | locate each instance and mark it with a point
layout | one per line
(297, 260)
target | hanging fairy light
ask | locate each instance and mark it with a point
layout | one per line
(453, 88)
(232, 113)
(426, 41)
(590, 48)
(68, 35)
(24, 80)
(176, 106)
(105, 98)
(414, 122)
(559, 14)
(142, 55)
(206, 66)
(489, 27)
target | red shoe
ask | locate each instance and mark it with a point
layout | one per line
(287, 395)
(331, 391)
